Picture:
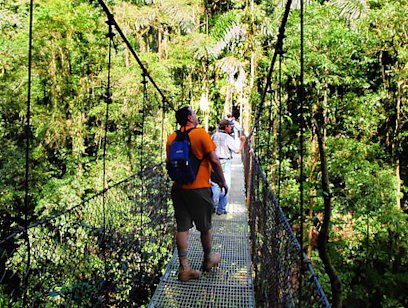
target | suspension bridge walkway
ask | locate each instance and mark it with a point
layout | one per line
(228, 285)
(110, 249)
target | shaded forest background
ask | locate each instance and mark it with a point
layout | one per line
(214, 56)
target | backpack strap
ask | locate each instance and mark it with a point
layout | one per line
(189, 142)
(182, 135)
(189, 130)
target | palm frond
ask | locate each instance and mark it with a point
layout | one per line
(232, 35)
(234, 69)
(185, 14)
(223, 23)
(353, 9)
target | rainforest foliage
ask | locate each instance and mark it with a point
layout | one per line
(214, 56)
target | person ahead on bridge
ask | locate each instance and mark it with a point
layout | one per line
(225, 147)
(192, 202)
(236, 128)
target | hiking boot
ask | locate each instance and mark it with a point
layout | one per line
(211, 261)
(186, 273)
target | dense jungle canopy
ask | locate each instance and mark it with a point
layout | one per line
(214, 56)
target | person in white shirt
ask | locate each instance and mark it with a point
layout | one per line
(236, 127)
(225, 147)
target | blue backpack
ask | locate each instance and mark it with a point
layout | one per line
(182, 165)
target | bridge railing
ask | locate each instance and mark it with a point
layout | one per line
(108, 250)
(284, 276)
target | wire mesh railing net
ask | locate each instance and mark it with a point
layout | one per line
(276, 253)
(84, 257)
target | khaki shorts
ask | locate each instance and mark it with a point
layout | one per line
(192, 205)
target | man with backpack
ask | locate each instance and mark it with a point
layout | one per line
(190, 159)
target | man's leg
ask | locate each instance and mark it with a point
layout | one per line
(206, 241)
(210, 259)
(183, 221)
(186, 273)
(222, 205)
(201, 210)
(182, 241)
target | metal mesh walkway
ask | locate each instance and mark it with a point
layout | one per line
(229, 285)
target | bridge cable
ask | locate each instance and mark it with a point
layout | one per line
(302, 128)
(162, 155)
(278, 47)
(132, 51)
(280, 128)
(141, 200)
(270, 125)
(27, 152)
(108, 99)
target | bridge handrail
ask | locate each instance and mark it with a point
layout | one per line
(256, 168)
(86, 256)
(23, 229)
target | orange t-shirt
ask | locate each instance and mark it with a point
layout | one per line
(201, 144)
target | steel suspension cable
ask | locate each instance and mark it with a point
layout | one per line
(28, 115)
(144, 83)
(27, 151)
(132, 51)
(108, 99)
(269, 136)
(141, 200)
(302, 128)
(162, 133)
(162, 155)
(280, 128)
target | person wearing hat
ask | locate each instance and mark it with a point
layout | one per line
(225, 147)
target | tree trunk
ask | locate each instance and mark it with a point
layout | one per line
(324, 231)
(126, 54)
(312, 194)
(396, 148)
(396, 154)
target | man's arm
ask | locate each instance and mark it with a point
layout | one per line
(242, 140)
(216, 165)
(232, 146)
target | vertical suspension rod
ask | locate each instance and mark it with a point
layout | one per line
(27, 151)
(28, 116)
(280, 128)
(141, 200)
(302, 150)
(144, 82)
(108, 98)
(268, 144)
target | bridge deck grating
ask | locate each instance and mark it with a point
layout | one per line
(228, 285)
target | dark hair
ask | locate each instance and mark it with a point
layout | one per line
(224, 123)
(182, 115)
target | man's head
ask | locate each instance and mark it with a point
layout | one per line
(186, 116)
(225, 125)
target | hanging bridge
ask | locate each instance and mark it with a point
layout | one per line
(116, 247)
